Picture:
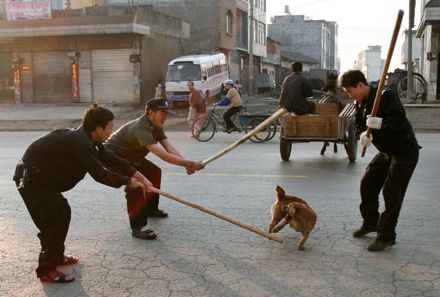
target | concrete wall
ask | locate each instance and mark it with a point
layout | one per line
(424, 117)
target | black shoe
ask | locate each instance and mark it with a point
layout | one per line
(226, 130)
(378, 245)
(364, 230)
(158, 213)
(233, 129)
(147, 234)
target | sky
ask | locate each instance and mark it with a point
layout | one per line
(360, 23)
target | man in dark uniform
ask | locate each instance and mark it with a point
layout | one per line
(55, 163)
(392, 168)
(133, 141)
(294, 92)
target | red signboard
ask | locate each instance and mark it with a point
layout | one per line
(27, 9)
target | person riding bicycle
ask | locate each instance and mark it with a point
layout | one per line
(235, 101)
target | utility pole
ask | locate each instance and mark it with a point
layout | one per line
(251, 49)
(409, 85)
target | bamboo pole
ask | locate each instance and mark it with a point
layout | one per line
(378, 97)
(248, 135)
(219, 215)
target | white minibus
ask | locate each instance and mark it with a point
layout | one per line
(208, 72)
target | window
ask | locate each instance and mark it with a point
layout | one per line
(229, 22)
(183, 71)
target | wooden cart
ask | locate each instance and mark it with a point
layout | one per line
(327, 125)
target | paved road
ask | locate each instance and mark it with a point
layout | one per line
(199, 255)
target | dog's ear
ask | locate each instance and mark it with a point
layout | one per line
(280, 190)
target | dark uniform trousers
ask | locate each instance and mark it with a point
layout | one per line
(391, 174)
(228, 114)
(51, 213)
(140, 204)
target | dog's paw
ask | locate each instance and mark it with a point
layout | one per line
(300, 248)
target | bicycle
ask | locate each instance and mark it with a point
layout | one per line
(205, 127)
(400, 77)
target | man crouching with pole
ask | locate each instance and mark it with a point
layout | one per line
(55, 163)
(392, 168)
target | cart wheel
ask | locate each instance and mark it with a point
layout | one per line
(203, 129)
(351, 144)
(261, 136)
(285, 149)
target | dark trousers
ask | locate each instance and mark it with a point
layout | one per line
(391, 174)
(310, 109)
(140, 204)
(228, 114)
(51, 213)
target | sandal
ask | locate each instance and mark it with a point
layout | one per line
(57, 276)
(69, 260)
(147, 234)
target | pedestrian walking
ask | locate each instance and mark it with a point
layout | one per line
(194, 100)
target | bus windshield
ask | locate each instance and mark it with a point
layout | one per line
(184, 72)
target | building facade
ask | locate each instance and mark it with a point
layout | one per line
(103, 53)
(370, 62)
(428, 32)
(221, 25)
(314, 38)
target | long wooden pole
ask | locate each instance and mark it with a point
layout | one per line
(248, 135)
(378, 97)
(219, 215)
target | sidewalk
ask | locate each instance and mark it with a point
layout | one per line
(45, 117)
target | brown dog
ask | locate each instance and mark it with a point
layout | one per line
(295, 212)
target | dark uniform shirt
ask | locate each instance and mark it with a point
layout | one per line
(61, 158)
(295, 91)
(131, 140)
(396, 131)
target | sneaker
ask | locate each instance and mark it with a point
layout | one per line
(364, 230)
(378, 245)
(158, 213)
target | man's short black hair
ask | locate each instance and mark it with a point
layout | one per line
(352, 77)
(297, 67)
(96, 116)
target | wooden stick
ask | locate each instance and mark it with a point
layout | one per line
(378, 97)
(219, 215)
(248, 135)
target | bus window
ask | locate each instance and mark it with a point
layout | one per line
(183, 72)
(211, 71)
(217, 68)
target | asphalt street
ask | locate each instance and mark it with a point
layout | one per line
(199, 255)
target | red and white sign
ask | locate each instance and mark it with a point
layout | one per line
(27, 9)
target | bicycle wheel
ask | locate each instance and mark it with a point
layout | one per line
(203, 129)
(419, 93)
(273, 130)
(264, 134)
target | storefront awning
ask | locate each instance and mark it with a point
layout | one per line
(73, 26)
